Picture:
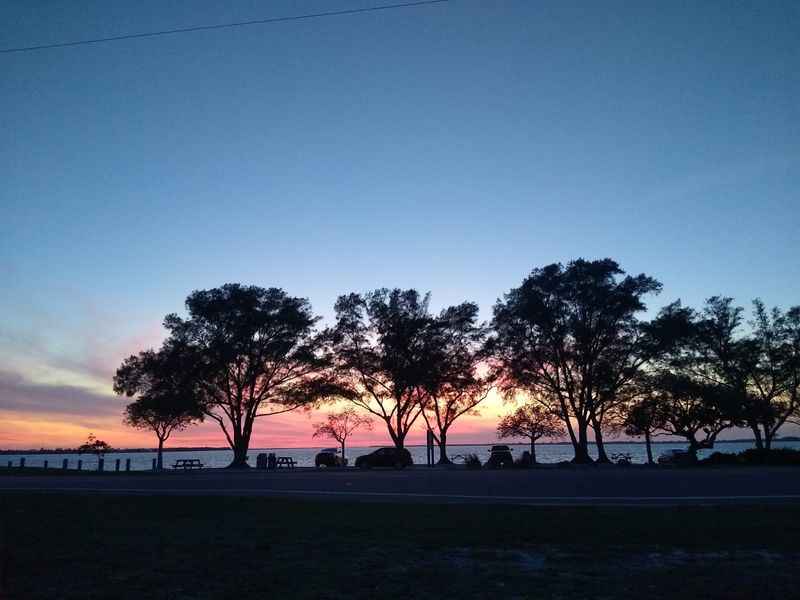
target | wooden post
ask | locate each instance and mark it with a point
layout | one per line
(45, 465)
(9, 464)
(127, 464)
(64, 464)
(22, 463)
(80, 464)
(117, 466)
(100, 463)
(429, 450)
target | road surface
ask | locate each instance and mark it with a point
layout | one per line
(562, 486)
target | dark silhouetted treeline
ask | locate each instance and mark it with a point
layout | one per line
(569, 343)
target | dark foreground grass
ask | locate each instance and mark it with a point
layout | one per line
(72, 546)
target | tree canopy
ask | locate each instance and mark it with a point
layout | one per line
(570, 337)
(341, 425)
(455, 387)
(255, 352)
(168, 395)
(531, 421)
(94, 446)
(389, 353)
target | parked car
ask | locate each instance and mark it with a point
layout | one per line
(500, 458)
(329, 457)
(399, 458)
(676, 457)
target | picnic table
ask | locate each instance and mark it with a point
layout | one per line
(285, 461)
(187, 464)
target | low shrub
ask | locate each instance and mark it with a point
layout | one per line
(774, 456)
(722, 458)
(524, 461)
(472, 461)
(754, 456)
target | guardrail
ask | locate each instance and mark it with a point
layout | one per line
(101, 464)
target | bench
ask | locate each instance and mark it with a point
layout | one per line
(285, 461)
(187, 464)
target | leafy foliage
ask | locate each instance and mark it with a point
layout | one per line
(456, 388)
(392, 354)
(168, 395)
(339, 426)
(94, 446)
(254, 352)
(569, 336)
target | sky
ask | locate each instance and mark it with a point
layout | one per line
(450, 148)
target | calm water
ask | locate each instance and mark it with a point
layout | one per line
(545, 453)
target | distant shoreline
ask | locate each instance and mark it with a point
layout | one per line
(225, 448)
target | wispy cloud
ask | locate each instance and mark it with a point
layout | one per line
(19, 394)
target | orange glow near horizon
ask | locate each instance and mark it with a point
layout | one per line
(20, 430)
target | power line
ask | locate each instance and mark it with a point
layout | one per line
(334, 13)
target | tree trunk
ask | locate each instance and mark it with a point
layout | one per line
(533, 451)
(649, 447)
(768, 437)
(344, 460)
(442, 442)
(400, 437)
(694, 446)
(160, 460)
(582, 447)
(241, 444)
(570, 429)
(602, 457)
(757, 436)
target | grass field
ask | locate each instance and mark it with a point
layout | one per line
(73, 546)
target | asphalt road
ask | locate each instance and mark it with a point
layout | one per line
(563, 486)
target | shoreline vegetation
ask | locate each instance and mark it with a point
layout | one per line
(790, 438)
(569, 343)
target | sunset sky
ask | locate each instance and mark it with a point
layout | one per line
(450, 148)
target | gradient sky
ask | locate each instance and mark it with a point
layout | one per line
(450, 148)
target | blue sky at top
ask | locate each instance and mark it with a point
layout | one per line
(450, 148)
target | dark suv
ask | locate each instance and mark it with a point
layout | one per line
(329, 457)
(500, 458)
(399, 458)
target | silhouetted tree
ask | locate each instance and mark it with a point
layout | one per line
(642, 418)
(384, 341)
(756, 369)
(456, 387)
(256, 353)
(792, 325)
(94, 446)
(570, 336)
(532, 421)
(168, 396)
(695, 410)
(771, 361)
(339, 426)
